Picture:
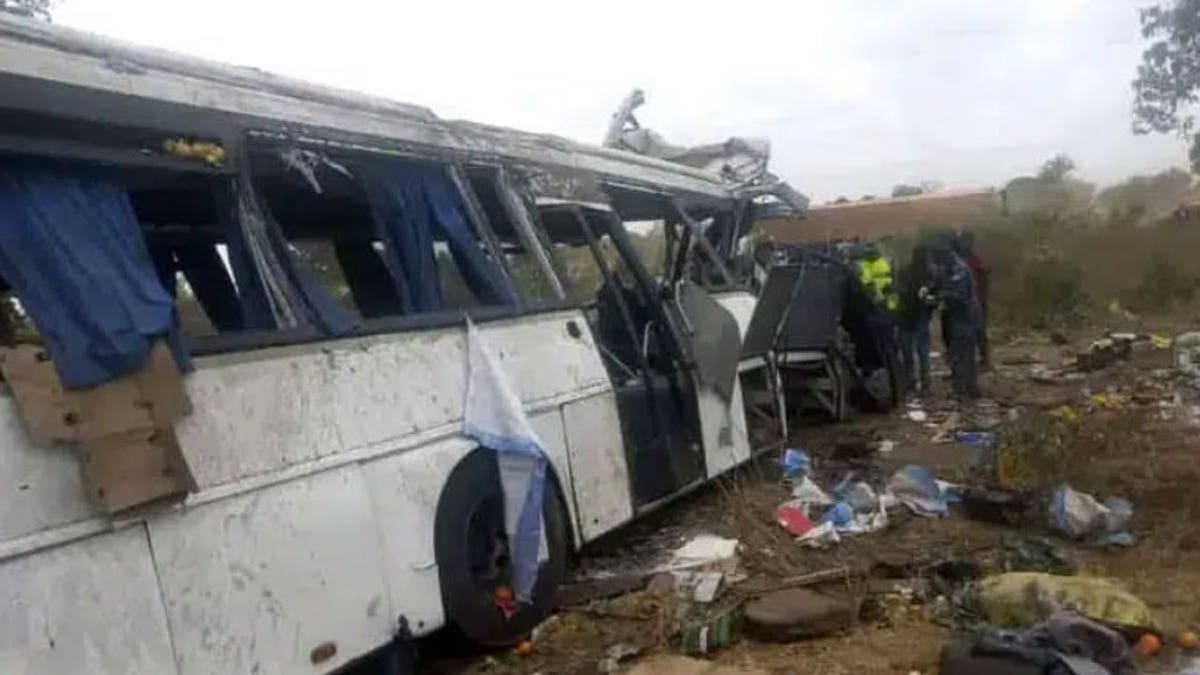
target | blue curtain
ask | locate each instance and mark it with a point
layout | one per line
(415, 204)
(71, 248)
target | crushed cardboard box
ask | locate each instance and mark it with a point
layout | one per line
(124, 427)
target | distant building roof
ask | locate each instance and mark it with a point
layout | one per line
(875, 218)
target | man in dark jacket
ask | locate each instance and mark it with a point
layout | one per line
(961, 317)
(981, 273)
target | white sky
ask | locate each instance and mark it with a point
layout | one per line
(855, 95)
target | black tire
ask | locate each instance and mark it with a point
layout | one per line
(472, 496)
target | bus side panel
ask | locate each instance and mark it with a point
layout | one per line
(40, 487)
(88, 607)
(550, 429)
(723, 427)
(405, 489)
(263, 411)
(597, 452)
(256, 582)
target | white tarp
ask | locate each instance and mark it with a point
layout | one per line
(495, 417)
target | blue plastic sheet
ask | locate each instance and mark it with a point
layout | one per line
(71, 249)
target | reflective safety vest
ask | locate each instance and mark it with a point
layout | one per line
(876, 278)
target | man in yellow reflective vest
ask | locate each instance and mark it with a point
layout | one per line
(875, 274)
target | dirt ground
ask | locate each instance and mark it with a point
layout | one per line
(1116, 431)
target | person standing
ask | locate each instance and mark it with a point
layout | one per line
(960, 320)
(981, 273)
(917, 303)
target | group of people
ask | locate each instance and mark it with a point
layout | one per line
(945, 274)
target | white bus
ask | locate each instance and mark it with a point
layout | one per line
(335, 501)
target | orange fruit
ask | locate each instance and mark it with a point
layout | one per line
(503, 593)
(1189, 640)
(524, 648)
(1148, 645)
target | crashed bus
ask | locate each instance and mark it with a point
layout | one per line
(244, 314)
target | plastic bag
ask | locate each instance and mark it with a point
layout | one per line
(794, 462)
(915, 487)
(809, 493)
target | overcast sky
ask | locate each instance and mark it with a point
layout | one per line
(855, 95)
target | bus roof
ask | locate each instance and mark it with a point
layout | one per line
(51, 69)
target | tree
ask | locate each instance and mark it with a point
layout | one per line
(903, 190)
(37, 9)
(1056, 169)
(1168, 80)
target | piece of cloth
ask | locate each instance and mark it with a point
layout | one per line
(71, 248)
(495, 417)
(1082, 640)
(1020, 599)
(415, 204)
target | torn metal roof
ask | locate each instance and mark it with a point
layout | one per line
(51, 60)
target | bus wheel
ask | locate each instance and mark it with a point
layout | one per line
(473, 556)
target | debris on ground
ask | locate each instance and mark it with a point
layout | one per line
(1021, 599)
(704, 549)
(795, 462)
(916, 487)
(708, 635)
(1082, 516)
(1064, 644)
(797, 613)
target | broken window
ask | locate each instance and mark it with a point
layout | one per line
(524, 255)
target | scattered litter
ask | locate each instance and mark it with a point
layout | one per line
(703, 549)
(1019, 599)
(707, 585)
(981, 446)
(820, 536)
(886, 447)
(846, 520)
(793, 517)
(809, 493)
(862, 498)
(795, 462)
(615, 656)
(915, 487)
(1082, 516)
(708, 636)
(917, 415)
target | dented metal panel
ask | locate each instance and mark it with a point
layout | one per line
(89, 607)
(597, 455)
(405, 489)
(257, 582)
(261, 412)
